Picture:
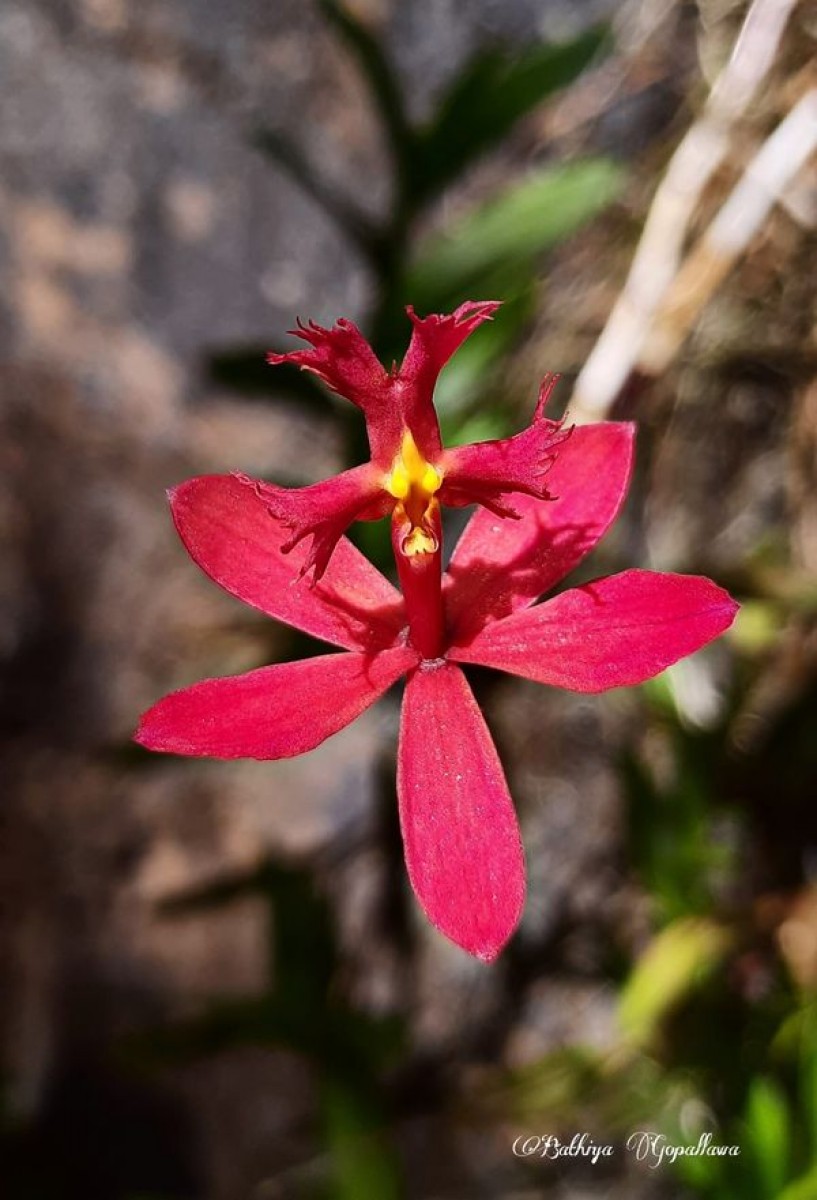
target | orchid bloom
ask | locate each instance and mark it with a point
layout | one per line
(410, 473)
(462, 842)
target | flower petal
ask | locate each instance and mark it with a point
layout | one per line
(324, 511)
(614, 632)
(433, 341)
(486, 472)
(345, 361)
(501, 565)
(461, 838)
(391, 401)
(274, 712)
(230, 534)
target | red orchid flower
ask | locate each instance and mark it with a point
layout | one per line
(409, 471)
(461, 837)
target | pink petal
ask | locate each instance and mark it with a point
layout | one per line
(345, 361)
(324, 511)
(486, 472)
(274, 712)
(501, 565)
(433, 341)
(614, 632)
(462, 844)
(229, 532)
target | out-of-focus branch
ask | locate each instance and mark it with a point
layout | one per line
(657, 259)
(776, 165)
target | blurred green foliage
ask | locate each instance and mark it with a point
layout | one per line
(677, 959)
(494, 248)
(673, 826)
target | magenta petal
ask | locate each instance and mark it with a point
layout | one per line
(501, 565)
(228, 530)
(274, 712)
(324, 511)
(614, 632)
(436, 337)
(462, 844)
(345, 361)
(489, 472)
(396, 400)
(433, 341)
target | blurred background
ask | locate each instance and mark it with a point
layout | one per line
(215, 982)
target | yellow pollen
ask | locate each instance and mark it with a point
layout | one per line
(431, 480)
(411, 476)
(398, 483)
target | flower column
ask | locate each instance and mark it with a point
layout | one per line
(416, 536)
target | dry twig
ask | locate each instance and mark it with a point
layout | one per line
(777, 164)
(657, 259)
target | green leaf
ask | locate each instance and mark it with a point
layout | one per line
(808, 1089)
(617, 1090)
(373, 538)
(365, 1165)
(675, 963)
(767, 1120)
(702, 1173)
(481, 427)
(512, 229)
(758, 627)
(804, 1188)
(487, 99)
(555, 1086)
(670, 830)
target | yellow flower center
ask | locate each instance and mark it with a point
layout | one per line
(413, 483)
